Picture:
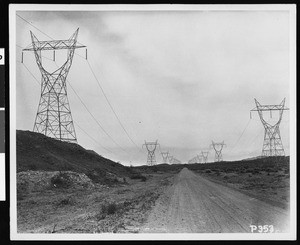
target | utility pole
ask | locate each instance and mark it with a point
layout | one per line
(218, 149)
(272, 145)
(151, 147)
(54, 118)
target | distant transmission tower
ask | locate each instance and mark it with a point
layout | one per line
(218, 149)
(204, 156)
(176, 161)
(54, 117)
(171, 158)
(272, 145)
(151, 147)
(199, 158)
(165, 156)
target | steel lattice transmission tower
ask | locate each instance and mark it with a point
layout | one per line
(218, 147)
(54, 116)
(199, 159)
(204, 156)
(165, 156)
(151, 147)
(272, 145)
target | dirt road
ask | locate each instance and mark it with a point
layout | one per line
(196, 205)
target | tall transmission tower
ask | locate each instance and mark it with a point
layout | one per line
(272, 145)
(218, 147)
(151, 147)
(204, 156)
(54, 116)
(165, 156)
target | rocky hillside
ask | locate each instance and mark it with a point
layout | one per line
(38, 152)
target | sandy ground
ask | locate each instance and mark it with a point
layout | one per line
(194, 204)
(79, 210)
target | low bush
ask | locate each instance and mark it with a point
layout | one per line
(61, 180)
(64, 202)
(106, 209)
(138, 176)
(208, 171)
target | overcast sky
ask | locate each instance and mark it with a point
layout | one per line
(183, 78)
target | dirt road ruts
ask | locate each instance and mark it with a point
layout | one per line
(194, 204)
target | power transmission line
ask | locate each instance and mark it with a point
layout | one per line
(111, 107)
(79, 99)
(34, 26)
(127, 134)
(241, 135)
(124, 129)
(91, 114)
(92, 138)
(42, 31)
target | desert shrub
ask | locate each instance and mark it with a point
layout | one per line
(32, 202)
(255, 171)
(61, 180)
(32, 167)
(111, 208)
(106, 209)
(226, 177)
(64, 202)
(138, 176)
(208, 171)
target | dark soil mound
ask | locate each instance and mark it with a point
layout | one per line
(38, 152)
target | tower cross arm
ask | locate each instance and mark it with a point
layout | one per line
(269, 108)
(54, 45)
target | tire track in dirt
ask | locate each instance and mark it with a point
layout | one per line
(194, 204)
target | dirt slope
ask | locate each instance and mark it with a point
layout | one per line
(196, 205)
(38, 152)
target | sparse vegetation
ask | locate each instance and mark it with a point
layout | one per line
(65, 201)
(138, 176)
(264, 178)
(61, 180)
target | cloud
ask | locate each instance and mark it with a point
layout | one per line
(184, 78)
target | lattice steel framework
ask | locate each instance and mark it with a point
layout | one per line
(272, 145)
(218, 147)
(196, 159)
(54, 116)
(175, 161)
(204, 156)
(199, 159)
(151, 147)
(165, 156)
